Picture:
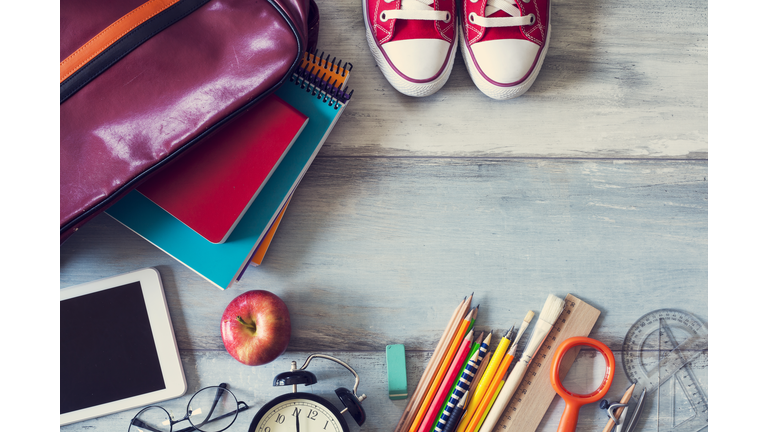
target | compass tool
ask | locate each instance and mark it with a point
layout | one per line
(658, 349)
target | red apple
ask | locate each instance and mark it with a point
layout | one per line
(256, 327)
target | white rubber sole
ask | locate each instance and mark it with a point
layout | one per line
(497, 92)
(404, 86)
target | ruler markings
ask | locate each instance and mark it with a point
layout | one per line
(533, 396)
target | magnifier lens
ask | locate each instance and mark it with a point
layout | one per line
(587, 374)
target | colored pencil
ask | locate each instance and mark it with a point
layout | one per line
(479, 373)
(493, 399)
(465, 379)
(445, 386)
(456, 414)
(493, 390)
(410, 409)
(471, 417)
(437, 380)
(472, 369)
(472, 351)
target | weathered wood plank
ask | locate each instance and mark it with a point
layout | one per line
(375, 251)
(254, 386)
(620, 80)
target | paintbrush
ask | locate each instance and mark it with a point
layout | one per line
(527, 320)
(549, 313)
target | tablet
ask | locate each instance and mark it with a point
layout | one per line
(118, 350)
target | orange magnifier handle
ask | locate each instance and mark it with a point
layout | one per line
(574, 401)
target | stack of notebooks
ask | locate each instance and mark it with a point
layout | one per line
(217, 207)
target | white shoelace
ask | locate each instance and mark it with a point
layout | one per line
(508, 6)
(415, 10)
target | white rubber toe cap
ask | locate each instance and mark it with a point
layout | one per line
(418, 59)
(505, 60)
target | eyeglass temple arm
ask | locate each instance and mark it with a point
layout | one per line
(215, 401)
(241, 406)
(140, 424)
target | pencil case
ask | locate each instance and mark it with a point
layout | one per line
(144, 81)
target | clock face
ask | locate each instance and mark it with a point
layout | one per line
(298, 412)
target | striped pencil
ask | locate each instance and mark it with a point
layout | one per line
(445, 386)
(472, 351)
(473, 386)
(456, 414)
(461, 389)
(480, 362)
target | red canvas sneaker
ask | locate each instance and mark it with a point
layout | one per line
(503, 43)
(413, 41)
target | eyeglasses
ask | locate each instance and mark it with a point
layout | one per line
(211, 409)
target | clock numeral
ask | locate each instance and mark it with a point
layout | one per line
(312, 414)
(280, 418)
(296, 412)
(326, 425)
(267, 429)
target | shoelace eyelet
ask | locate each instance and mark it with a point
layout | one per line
(472, 17)
(383, 17)
(447, 17)
(533, 18)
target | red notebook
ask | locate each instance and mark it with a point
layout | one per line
(211, 186)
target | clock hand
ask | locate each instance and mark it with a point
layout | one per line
(297, 423)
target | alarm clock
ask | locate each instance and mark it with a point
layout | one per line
(307, 412)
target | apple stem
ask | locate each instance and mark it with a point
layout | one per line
(250, 326)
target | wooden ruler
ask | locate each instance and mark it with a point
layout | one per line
(535, 393)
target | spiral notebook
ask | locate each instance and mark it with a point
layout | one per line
(318, 89)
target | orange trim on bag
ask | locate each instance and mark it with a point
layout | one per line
(111, 34)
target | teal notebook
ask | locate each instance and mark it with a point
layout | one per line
(309, 91)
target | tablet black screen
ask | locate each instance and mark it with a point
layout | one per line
(107, 349)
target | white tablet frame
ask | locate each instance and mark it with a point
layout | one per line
(162, 331)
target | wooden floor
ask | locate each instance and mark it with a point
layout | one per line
(593, 183)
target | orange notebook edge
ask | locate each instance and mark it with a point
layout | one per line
(258, 257)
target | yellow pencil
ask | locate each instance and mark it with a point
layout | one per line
(485, 381)
(494, 372)
(493, 391)
(493, 399)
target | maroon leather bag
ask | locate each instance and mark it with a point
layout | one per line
(143, 81)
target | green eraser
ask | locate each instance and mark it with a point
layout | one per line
(398, 382)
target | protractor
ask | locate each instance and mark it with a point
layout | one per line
(659, 348)
(661, 343)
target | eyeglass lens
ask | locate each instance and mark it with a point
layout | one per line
(212, 409)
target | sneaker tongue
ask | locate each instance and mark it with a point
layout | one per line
(417, 5)
(508, 8)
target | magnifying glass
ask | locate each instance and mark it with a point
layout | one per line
(574, 401)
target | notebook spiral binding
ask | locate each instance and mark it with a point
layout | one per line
(323, 78)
